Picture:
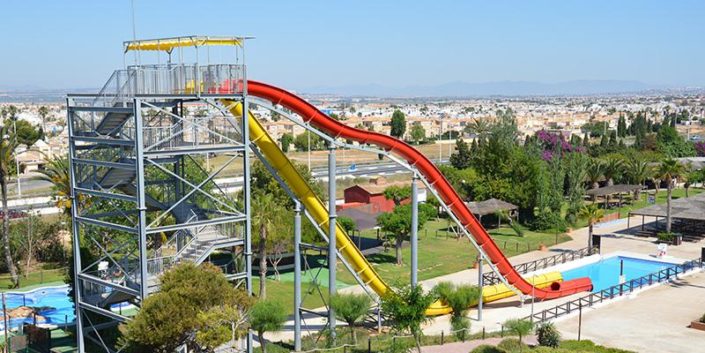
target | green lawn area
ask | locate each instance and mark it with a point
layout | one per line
(34, 279)
(283, 292)
(440, 253)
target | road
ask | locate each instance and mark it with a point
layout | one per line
(231, 184)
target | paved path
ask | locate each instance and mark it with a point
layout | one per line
(467, 346)
(655, 320)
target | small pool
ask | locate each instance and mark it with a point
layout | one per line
(605, 273)
(53, 302)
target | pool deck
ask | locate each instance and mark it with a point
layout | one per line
(615, 240)
(655, 321)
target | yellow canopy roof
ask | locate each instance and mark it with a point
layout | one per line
(168, 44)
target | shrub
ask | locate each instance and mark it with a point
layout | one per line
(350, 308)
(485, 348)
(588, 346)
(460, 326)
(548, 335)
(519, 327)
(267, 316)
(665, 237)
(444, 290)
(512, 345)
(702, 318)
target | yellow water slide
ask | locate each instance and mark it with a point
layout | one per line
(317, 209)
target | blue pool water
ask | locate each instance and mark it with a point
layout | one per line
(605, 273)
(54, 302)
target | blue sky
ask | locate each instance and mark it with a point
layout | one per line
(77, 43)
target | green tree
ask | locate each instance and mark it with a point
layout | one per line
(308, 141)
(350, 308)
(459, 298)
(406, 307)
(479, 127)
(26, 133)
(267, 316)
(418, 133)
(398, 124)
(347, 223)
(592, 214)
(398, 223)
(637, 170)
(7, 150)
(43, 112)
(266, 220)
(613, 168)
(668, 171)
(576, 166)
(520, 327)
(397, 193)
(286, 140)
(595, 172)
(169, 318)
(56, 172)
(461, 157)
(621, 126)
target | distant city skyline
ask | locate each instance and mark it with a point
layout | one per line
(305, 45)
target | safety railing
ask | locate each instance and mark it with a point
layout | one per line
(615, 291)
(170, 79)
(491, 278)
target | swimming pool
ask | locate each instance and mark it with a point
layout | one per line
(54, 303)
(605, 273)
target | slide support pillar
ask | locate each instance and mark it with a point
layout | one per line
(297, 276)
(332, 248)
(414, 230)
(480, 283)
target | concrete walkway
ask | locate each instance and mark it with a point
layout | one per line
(654, 321)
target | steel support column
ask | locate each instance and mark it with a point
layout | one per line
(480, 284)
(246, 192)
(297, 276)
(141, 206)
(76, 238)
(332, 260)
(414, 230)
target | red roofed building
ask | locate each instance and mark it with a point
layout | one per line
(370, 197)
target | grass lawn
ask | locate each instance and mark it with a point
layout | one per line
(440, 253)
(284, 292)
(34, 279)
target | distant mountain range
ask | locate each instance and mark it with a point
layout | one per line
(498, 88)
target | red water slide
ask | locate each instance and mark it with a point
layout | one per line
(434, 177)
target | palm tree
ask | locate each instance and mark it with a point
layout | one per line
(595, 172)
(592, 214)
(637, 170)
(57, 173)
(479, 127)
(613, 168)
(43, 112)
(669, 170)
(266, 216)
(7, 150)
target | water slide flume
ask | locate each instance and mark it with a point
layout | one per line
(427, 169)
(316, 208)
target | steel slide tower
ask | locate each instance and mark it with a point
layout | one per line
(144, 154)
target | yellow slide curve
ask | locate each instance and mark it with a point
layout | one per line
(317, 209)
